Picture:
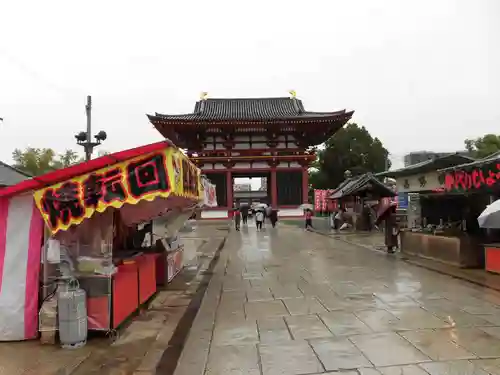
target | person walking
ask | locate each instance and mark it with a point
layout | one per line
(308, 216)
(259, 219)
(273, 217)
(237, 219)
(391, 230)
(244, 214)
(338, 218)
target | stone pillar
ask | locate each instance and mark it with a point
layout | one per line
(274, 189)
(305, 185)
(229, 189)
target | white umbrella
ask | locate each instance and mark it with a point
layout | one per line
(490, 217)
(261, 205)
(306, 206)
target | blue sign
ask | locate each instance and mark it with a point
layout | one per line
(403, 200)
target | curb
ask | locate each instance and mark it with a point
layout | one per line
(161, 347)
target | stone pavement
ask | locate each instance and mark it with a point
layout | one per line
(285, 301)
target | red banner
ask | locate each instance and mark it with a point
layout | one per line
(320, 199)
(324, 195)
(317, 200)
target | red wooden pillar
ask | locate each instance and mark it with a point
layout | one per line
(274, 189)
(305, 185)
(229, 189)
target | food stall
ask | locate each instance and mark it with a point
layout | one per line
(91, 213)
(478, 183)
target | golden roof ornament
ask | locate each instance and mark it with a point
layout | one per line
(204, 95)
(293, 94)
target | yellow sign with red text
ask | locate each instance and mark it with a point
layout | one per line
(147, 177)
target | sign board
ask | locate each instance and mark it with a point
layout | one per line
(146, 177)
(464, 181)
(174, 263)
(403, 200)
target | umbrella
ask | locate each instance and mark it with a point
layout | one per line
(490, 217)
(306, 206)
(261, 205)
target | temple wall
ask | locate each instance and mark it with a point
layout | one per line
(249, 166)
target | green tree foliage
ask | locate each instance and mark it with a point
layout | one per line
(37, 161)
(483, 146)
(352, 148)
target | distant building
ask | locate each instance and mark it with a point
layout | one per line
(242, 187)
(10, 175)
(263, 184)
(421, 156)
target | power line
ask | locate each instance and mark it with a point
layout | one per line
(36, 76)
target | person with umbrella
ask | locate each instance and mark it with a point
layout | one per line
(244, 213)
(259, 219)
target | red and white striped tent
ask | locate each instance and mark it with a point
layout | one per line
(21, 239)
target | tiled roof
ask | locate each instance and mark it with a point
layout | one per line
(355, 184)
(250, 109)
(10, 175)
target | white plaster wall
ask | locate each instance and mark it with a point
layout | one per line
(242, 165)
(260, 165)
(259, 145)
(257, 138)
(414, 184)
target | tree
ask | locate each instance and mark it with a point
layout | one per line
(353, 149)
(37, 161)
(483, 146)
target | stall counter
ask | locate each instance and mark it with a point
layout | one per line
(463, 251)
(111, 299)
(492, 257)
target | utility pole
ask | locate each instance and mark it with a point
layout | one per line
(84, 139)
(88, 111)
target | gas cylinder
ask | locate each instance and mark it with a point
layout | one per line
(72, 314)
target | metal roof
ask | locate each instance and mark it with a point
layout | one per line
(250, 109)
(10, 175)
(428, 165)
(495, 157)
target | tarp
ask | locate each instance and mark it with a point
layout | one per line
(21, 229)
(160, 174)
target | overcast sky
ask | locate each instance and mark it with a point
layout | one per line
(419, 74)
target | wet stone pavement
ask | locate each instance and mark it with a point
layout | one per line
(285, 301)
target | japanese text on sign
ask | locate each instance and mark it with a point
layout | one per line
(476, 179)
(142, 178)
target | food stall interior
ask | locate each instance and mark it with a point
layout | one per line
(115, 259)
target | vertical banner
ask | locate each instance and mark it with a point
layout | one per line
(324, 195)
(317, 199)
